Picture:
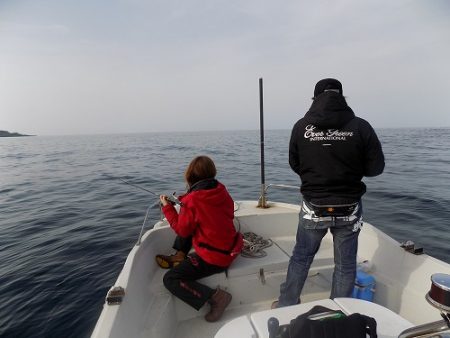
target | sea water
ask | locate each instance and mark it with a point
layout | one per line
(67, 224)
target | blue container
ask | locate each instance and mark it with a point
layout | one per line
(364, 286)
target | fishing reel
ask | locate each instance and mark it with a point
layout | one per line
(172, 199)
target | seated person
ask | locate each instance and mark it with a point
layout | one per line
(205, 221)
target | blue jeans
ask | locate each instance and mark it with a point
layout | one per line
(311, 230)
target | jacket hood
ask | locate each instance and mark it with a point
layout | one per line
(329, 110)
(206, 184)
(209, 191)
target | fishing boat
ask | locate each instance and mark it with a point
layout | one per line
(146, 309)
(408, 293)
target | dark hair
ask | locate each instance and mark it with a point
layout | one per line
(200, 168)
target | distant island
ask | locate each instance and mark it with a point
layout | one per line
(4, 133)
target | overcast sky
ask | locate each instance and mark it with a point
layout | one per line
(124, 66)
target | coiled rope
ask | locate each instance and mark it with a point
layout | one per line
(254, 245)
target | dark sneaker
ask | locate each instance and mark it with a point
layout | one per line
(219, 301)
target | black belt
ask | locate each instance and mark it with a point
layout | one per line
(225, 252)
(332, 210)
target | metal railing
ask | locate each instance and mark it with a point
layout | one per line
(285, 186)
(262, 198)
(434, 329)
(143, 224)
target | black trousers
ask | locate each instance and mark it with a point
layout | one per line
(181, 280)
(183, 244)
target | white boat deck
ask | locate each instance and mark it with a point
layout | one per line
(254, 284)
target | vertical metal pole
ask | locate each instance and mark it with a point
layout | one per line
(262, 199)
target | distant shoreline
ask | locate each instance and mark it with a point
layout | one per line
(4, 133)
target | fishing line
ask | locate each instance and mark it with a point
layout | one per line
(133, 185)
(171, 198)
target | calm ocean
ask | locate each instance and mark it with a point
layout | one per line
(67, 226)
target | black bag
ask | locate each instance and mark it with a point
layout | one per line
(321, 322)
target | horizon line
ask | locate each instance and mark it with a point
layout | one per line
(198, 131)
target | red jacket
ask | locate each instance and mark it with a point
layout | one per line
(207, 216)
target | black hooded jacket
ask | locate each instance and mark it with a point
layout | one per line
(332, 150)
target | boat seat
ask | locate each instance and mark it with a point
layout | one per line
(277, 258)
(244, 273)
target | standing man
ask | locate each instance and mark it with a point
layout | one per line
(331, 150)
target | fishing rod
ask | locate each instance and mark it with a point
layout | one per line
(171, 198)
(262, 199)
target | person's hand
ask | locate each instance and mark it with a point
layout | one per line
(164, 200)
